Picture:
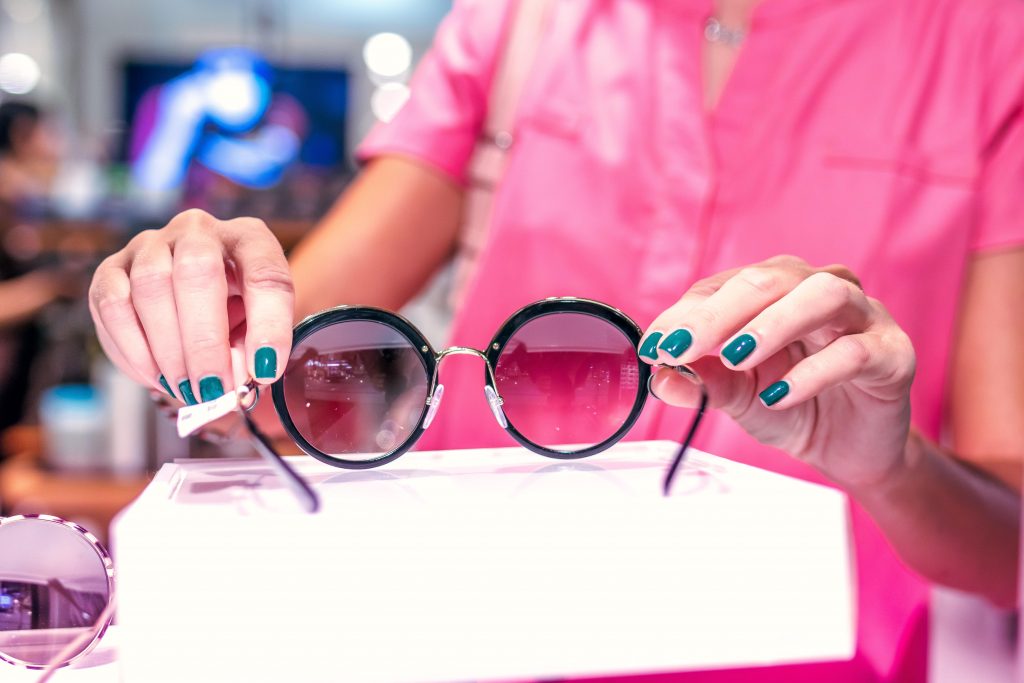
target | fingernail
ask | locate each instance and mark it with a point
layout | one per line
(266, 362)
(676, 343)
(210, 388)
(739, 348)
(166, 386)
(649, 349)
(185, 387)
(774, 393)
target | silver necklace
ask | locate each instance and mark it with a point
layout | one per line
(716, 32)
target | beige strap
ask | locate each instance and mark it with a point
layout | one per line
(513, 70)
(498, 134)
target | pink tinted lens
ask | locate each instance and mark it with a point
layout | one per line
(568, 380)
(356, 390)
(53, 587)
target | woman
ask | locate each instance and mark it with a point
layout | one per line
(30, 149)
(666, 169)
(29, 156)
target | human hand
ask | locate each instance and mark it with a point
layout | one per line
(202, 304)
(65, 280)
(800, 357)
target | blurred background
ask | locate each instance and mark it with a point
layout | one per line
(116, 115)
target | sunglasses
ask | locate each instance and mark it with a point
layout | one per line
(56, 592)
(561, 376)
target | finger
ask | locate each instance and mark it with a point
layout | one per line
(675, 388)
(868, 359)
(119, 328)
(718, 317)
(236, 340)
(820, 309)
(201, 292)
(239, 372)
(266, 289)
(728, 391)
(114, 354)
(152, 291)
(845, 273)
(106, 343)
(665, 339)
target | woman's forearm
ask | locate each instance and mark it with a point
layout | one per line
(382, 241)
(22, 297)
(949, 522)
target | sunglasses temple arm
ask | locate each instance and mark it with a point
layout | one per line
(681, 453)
(306, 496)
(76, 645)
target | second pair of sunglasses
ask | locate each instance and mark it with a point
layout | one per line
(562, 377)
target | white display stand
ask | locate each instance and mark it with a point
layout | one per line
(480, 565)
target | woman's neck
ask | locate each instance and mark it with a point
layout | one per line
(735, 13)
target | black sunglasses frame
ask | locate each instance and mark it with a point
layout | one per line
(431, 360)
(556, 306)
(343, 314)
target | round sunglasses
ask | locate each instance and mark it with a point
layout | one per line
(56, 592)
(561, 376)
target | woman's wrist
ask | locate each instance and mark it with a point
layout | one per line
(952, 524)
(893, 483)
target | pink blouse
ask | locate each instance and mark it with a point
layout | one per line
(887, 135)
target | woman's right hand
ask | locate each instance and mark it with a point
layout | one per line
(201, 304)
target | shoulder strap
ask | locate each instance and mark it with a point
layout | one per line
(497, 135)
(517, 53)
(510, 75)
(514, 67)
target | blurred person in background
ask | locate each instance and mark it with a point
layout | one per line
(701, 166)
(30, 153)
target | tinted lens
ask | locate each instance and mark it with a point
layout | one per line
(356, 390)
(568, 379)
(53, 586)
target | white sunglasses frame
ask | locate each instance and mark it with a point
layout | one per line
(99, 628)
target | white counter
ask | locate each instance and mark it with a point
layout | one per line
(480, 565)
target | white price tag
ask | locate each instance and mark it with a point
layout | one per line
(192, 418)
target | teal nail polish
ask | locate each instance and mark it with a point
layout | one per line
(266, 362)
(774, 393)
(185, 387)
(166, 386)
(210, 388)
(649, 349)
(677, 342)
(739, 348)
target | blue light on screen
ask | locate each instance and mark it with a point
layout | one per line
(233, 114)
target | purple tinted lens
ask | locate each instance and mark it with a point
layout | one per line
(356, 390)
(53, 587)
(568, 380)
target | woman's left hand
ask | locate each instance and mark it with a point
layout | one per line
(801, 358)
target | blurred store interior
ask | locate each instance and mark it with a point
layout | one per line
(113, 117)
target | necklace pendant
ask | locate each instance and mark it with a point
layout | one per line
(716, 32)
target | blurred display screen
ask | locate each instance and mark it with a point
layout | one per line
(230, 125)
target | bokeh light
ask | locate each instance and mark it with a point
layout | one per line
(19, 73)
(237, 98)
(387, 55)
(388, 99)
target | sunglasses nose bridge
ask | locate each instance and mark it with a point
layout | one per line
(494, 400)
(462, 351)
